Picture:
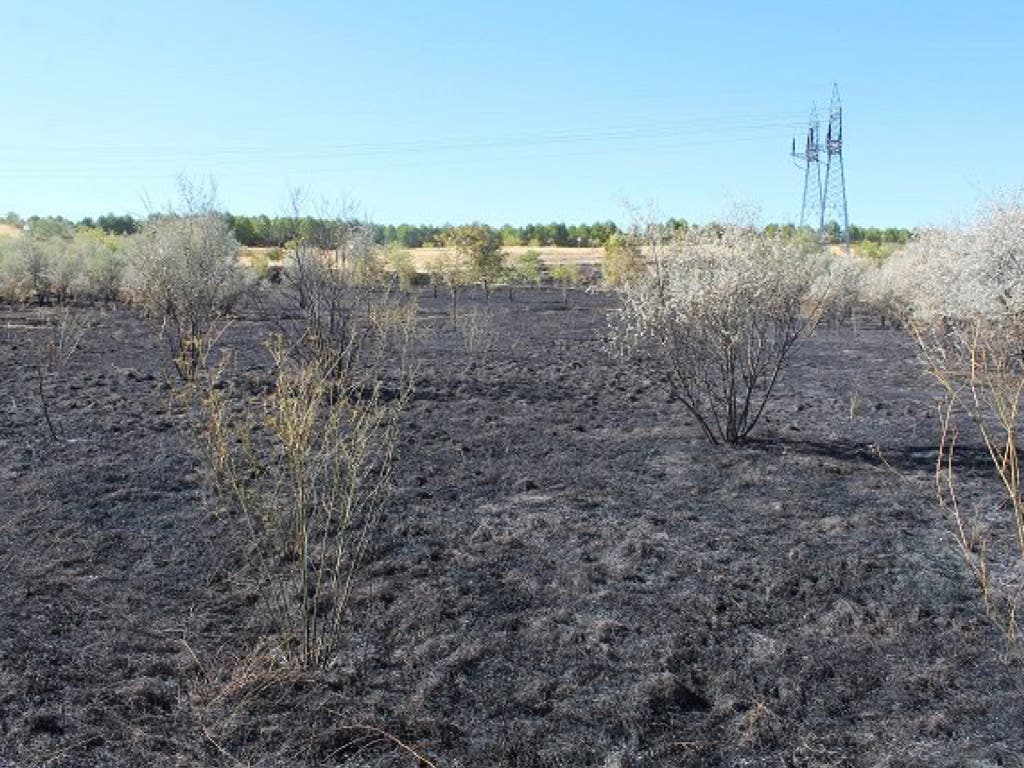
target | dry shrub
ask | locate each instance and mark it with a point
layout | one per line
(31, 267)
(837, 291)
(478, 333)
(65, 331)
(332, 278)
(623, 261)
(718, 312)
(961, 293)
(307, 465)
(306, 459)
(85, 266)
(13, 276)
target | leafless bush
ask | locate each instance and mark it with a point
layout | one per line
(307, 466)
(184, 275)
(65, 330)
(917, 281)
(331, 283)
(718, 312)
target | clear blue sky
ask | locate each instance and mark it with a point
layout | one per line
(433, 112)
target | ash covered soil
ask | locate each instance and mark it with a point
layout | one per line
(566, 574)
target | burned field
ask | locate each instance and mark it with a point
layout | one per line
(566, 572)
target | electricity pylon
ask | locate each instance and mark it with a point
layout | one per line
(833, 207)
(812, 204)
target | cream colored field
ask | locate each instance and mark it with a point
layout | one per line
(425, 258)
(6, 230)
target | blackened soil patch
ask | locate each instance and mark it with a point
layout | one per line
(565, 575)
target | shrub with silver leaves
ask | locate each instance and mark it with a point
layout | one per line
(184, 273)
(718, 312)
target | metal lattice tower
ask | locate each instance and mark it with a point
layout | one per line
(812, 204)
(835, 225)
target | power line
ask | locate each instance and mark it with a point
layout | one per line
(108, 156)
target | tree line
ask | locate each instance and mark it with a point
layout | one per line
(279, 231)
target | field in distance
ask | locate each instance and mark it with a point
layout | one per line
(425, 257)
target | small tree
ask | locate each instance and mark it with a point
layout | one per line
(403, 266)
(449, 269)
(528, 267)
(523, 269)
(564, 275)
(718, 312)
(479, 248)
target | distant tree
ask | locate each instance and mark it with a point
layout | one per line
(677, 225)
(896, 235)
(117, 225)
(602, 231)
(523, 269)
(408, 236)
(245, 230)
(511, 236)
(565, 275)
(402, 264)
(527, 267)
(448, 268)
(479, 247)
